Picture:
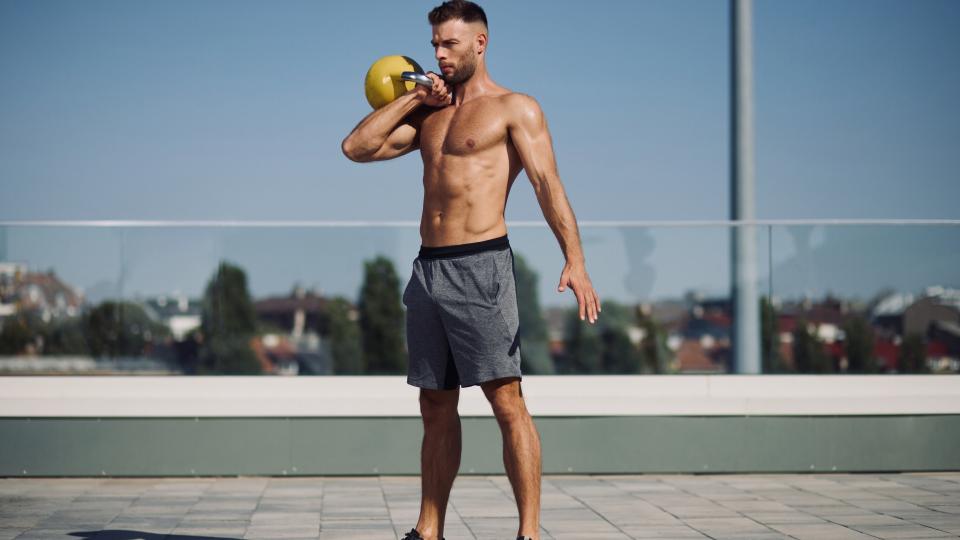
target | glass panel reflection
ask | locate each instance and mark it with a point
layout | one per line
(326, 300)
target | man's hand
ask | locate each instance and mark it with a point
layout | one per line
(438, 96)
(575, 275)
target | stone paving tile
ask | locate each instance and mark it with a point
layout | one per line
(663, 532)
(901, 531)
(214, 523)
(596, 507)
(782, 517)
(817, 531)
(47, 534)
(728, 526)
(281, 531)
(221, 532)
(590, 536)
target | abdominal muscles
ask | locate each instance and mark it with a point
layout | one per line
(464, 199)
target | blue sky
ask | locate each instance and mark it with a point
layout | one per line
(235, 109)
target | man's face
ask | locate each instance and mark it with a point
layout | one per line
(455, 45)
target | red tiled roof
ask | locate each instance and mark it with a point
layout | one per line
(691, 357)
(937, 348)
(50, 285)
(289, 304)
(887, 351)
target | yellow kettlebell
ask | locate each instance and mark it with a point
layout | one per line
(384, 84)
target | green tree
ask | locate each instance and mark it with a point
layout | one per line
(808, 353)
(583, 347)
(604, 347)
(655, 356)
(120, 329)
(228, 355)
(912, 357)
(858, 344)
(227, 307)
(620, 355)
(534, 347)
(16, 334)
(228, 323)
(770, 338)
(67, 336)
(344, 337)
(381, 318)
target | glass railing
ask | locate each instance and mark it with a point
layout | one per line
(324, 298)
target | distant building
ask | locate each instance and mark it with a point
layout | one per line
(920, 316)
(698, 356)
(302, 309)
(41, 292)
(947, 333)
(901, 313)
(177, 312)
(299, 347)
(703, 335)
(277, 354)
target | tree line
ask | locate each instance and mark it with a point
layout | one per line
(368, 336)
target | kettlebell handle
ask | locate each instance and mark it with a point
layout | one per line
(418, 78)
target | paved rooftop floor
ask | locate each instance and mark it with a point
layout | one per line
(594, 507)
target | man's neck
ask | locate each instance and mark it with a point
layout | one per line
(476, 86)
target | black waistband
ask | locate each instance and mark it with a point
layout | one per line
(457, 250)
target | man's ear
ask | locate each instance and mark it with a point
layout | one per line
(481, 43)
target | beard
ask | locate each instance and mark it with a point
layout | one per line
(463, 72)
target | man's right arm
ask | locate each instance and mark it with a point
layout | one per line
(378, 136)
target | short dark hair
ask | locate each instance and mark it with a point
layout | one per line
(464, 10)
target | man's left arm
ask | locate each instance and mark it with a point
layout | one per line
(528, 130)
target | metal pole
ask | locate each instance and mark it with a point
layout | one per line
(746, 319)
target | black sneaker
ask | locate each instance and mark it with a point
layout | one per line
(414, 535)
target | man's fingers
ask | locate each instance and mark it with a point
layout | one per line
(582, 300)
(439, 86)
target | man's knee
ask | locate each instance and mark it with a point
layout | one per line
(506, 399)
(438, 404)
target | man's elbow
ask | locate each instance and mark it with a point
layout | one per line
(543, 181)
(353, 153)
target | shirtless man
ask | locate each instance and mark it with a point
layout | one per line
(462, 326)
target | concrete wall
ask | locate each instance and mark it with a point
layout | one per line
(182, 426)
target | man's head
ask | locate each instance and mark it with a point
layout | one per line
(459, 38)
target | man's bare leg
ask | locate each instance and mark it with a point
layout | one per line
(439, 457)
(521, 450)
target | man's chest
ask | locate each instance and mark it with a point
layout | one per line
(462, 131)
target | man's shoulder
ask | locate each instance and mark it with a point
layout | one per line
(518, 99)
(520, 105)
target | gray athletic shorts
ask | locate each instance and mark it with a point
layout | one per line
(462, 320)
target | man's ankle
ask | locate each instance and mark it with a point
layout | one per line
(429, 534)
